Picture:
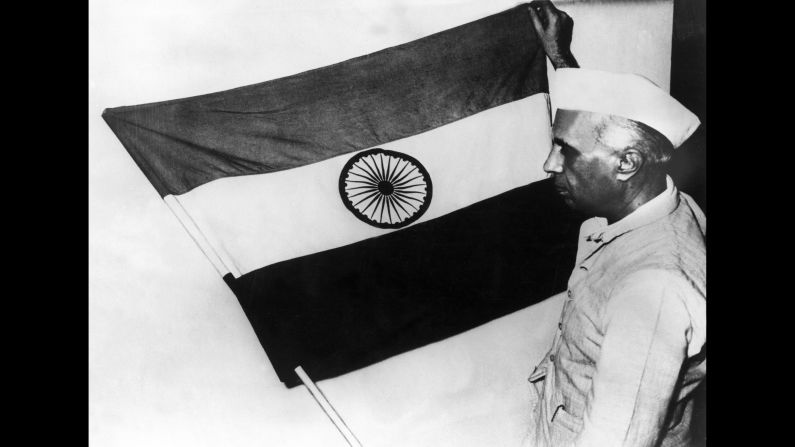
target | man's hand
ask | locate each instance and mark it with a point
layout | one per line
(554, 28)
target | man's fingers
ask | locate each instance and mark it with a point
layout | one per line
(544, 7)
(546, 11)
(536, 21)
(540, 3)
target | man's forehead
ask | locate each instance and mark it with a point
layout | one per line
(575, 126)
(582, 129)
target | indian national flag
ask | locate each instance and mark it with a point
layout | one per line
(373, 206)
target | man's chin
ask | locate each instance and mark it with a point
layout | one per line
(566, 197)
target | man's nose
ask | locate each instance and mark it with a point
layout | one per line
(554, 163)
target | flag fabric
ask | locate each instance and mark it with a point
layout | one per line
(372, 206)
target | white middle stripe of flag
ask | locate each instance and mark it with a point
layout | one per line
(248, 222)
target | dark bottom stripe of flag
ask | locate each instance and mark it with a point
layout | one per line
(343, 309)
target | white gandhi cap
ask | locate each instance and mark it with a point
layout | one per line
(622, 94)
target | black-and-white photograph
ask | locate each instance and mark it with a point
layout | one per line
(397, 223)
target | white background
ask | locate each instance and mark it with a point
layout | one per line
(172, 359)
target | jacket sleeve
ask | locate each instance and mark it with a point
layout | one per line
(647, 329)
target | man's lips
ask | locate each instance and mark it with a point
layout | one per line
(560, 186)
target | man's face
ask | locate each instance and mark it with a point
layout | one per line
(583, 167)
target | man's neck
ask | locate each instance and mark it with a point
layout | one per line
(636, 194)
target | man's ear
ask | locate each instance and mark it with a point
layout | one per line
(629, 163)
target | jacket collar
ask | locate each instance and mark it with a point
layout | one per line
(596, 229)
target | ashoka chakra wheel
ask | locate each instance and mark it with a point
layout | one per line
(384, 188)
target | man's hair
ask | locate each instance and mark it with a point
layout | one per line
(656, 148)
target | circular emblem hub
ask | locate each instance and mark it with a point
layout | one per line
(386, 189)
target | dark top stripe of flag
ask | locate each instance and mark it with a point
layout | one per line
(349, 106)
(339, 310)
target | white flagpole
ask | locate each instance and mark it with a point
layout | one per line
(332, 414)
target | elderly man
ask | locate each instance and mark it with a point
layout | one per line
(630, 344)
